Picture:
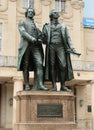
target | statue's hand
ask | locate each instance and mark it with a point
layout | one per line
(34, 40)
(76, 52)
(73, 51)
(40, 41)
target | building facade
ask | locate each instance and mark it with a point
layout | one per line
(11, 81)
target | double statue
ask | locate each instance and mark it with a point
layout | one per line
(55, 36)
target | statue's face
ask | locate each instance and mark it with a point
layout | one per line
(30, 13)
(55, 15)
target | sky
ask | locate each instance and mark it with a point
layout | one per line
(88, 8)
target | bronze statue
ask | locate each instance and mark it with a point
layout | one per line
(30, 57)
(58, 48)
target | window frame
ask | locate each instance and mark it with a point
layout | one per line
(28, 2)
(59, 4)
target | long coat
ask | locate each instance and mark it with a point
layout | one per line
(67, 45)
(25, 38)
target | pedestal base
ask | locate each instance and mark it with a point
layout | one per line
(40, 110)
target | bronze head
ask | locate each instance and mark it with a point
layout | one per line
(54, 14)
(31, 9)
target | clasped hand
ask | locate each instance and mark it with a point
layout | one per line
(34, 40)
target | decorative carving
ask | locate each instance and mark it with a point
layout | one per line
(38, 8)
(77, 4)
(3, 18)
(4, 6)
(20, 8)
(68, 14)
(89, 50)
(46, 2)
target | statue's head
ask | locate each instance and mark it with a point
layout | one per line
(54, 14)
(28, 11)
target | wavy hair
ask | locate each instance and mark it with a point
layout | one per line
(27, 11)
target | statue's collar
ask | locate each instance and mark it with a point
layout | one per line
(55, 24)
(31, 20)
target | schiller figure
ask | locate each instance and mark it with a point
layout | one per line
(58, 48)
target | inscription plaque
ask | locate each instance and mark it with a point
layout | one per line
(49, 110)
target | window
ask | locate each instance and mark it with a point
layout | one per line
(0, 35)
(28, 3)
(89, 108)
(60, 5)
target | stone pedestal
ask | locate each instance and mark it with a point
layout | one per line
(40, 110)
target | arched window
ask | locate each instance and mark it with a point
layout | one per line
(28, 3)
(60, 5)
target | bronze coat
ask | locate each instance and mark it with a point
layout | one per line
(25, 38)
(67, 45)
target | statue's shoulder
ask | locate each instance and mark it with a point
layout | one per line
(21, 22)
(46, 24)
(36, 25)
(63, 25)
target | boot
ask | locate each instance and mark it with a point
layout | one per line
(64, 88)
(27, 87)
(26, 80)
(38, 81)
(54, 86)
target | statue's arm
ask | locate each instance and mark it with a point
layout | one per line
(44, 34)
(39, 37)
(69, 41)
(23, 32)
(71, 49)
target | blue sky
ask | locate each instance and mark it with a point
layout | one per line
(89, 8)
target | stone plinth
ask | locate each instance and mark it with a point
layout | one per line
(28, 116)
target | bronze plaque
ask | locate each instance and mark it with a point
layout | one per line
(49, 110)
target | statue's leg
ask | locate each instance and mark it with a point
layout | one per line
(53, 75)
(63, 87)
(53, 71)
(26, 69)
(38, 70)
(62, 68)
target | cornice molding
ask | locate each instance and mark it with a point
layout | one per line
(13, 0)
(81, 65)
